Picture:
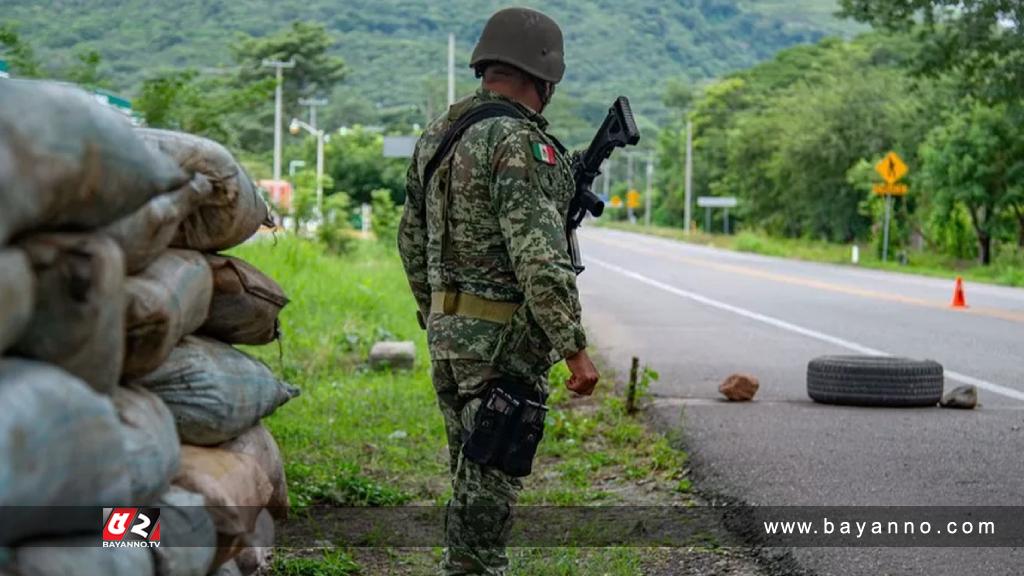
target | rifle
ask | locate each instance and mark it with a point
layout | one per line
(617, 131)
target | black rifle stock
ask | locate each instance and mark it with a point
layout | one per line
(617, 131)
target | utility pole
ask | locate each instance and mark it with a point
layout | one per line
(689, 176)
(279, 66)
(313, 104)
(294, 128)
(451, 69)
(647, 193)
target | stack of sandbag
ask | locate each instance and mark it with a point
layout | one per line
(118, 381)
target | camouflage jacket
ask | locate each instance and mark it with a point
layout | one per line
(510, 191)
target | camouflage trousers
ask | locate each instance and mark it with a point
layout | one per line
(478, 518)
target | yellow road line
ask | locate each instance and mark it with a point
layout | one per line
(818, 284)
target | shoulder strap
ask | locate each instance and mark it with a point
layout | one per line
(455, 131)
(451, 137)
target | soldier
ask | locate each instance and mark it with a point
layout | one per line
(482, 239)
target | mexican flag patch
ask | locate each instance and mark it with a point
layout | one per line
(544, 153)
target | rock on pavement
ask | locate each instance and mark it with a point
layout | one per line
(739, 387)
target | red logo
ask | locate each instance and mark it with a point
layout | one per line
(131, 527)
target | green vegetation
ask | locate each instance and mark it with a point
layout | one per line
(395, 52)
(796, 139)
(980, 41)
(362, 437)
(1008, 271)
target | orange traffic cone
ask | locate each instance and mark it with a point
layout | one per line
(958, 294)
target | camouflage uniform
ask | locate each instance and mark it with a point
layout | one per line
(506, 211)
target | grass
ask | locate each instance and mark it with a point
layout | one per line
(1007, 270)
(362, 437)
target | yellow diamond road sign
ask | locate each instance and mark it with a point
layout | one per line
(891, 168)
(616, 202)
(633, 199)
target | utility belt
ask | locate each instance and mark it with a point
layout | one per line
(462, 304)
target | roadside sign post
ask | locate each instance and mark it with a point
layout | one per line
(709, 202)
(891, 168)
(885, 230)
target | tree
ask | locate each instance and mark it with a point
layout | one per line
(356, 163)
(783, 135)
(18, 52)
(980, 40)
(679, 95)
(315, 71)
(86, 70)
(976, 159)
(207, 106)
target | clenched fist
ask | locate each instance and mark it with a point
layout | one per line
(584, 375)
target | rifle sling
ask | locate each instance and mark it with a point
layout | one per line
(455, 131)
(444, 150)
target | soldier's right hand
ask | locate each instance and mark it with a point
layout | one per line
(584, 375)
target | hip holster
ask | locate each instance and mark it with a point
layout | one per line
(508, 428)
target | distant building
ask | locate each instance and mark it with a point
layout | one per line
(279, 192)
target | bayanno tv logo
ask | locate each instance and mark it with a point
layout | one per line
(131, 527)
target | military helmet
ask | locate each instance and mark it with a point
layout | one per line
(524, 38)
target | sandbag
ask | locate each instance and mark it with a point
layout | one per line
(234, 211)
(61, 444)
(258, 443)
(81, 556)
(67, 161)
(246, 303)
(150, 440)
(168, 300)
(256, 557)
(188, 538)
(214, 391)
(78, 321)
(234, 488)
(144, 234)
(17, 295)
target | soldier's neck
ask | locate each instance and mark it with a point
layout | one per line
(520, 93)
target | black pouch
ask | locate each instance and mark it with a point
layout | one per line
(523, 442)
(493, 422)
(507, 430)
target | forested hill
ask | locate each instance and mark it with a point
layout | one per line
(395, 49)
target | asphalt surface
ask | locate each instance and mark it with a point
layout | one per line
(697, 314)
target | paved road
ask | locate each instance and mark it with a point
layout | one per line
(697, 314)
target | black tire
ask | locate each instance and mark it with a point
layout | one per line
(874, 381)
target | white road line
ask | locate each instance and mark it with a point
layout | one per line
(771, 321)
